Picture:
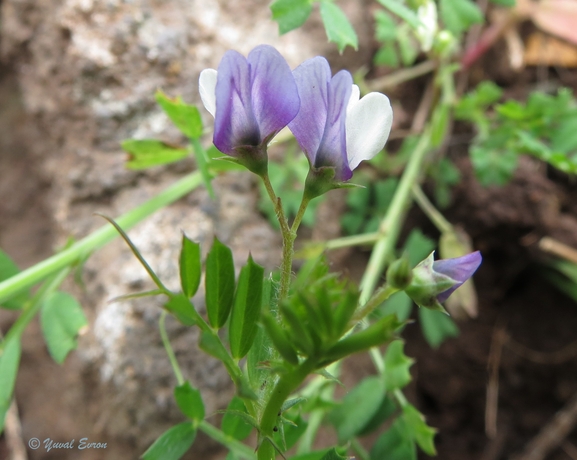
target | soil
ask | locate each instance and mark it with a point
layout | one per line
(519, 311)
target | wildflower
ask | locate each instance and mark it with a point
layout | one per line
(335, 128)
(251, 99)
(435, 280)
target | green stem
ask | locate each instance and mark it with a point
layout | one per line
(97, 239)
(288, 239)
(380, 296)
(353, 240)
(240, 449)
(168, 348)
(442, 224)
(300, 214)
(288, 383)
(359, 449)
(392, 222)
(33, 305)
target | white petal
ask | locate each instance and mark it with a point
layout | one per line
(207, 88)
(355, 95)
(368, 126)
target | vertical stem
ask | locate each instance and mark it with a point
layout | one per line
(288, 238)
(392, 222)
(288, 383)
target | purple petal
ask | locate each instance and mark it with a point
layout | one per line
(274, 93)
(460, 269)
(235, 123)
(333, 148)
(312, 79)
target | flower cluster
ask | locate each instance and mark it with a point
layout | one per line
(253, 98)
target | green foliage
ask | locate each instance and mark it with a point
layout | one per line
(190, 266)
(397, 364)
(395, 443)
(189, 402)
(61, 319)
(445, 175)
(219, 283)
(184, 116)
(290, 14)
(232, 424)
(544, 127)
(399, 45)
(357, 408)
(9, 360)
(437, 326)
(338, 28)
(246, 309)
(317, 315)
(8, 269)
(366, 205)
(509, 3)
(147, 153)
(179, 305)
(563, 275)
(172, 444)
(459, 15)
(419, 430)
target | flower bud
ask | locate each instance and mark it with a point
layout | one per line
(434, 281)
(399, 274)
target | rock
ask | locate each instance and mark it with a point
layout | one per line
(88, 70)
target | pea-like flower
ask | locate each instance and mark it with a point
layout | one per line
(433, 281)
(251, 99)
(335, 128)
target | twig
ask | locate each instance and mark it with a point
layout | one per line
(13, 433)
(401, 76)
(492, 403)
(570, 450)
(557, 248)
(552, 434)
(540, 357)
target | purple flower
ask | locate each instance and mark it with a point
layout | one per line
(251, 99)
(333, 127)
(434, 281)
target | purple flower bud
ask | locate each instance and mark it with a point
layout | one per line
(435, 280)
(251, 98)
(333, 127)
